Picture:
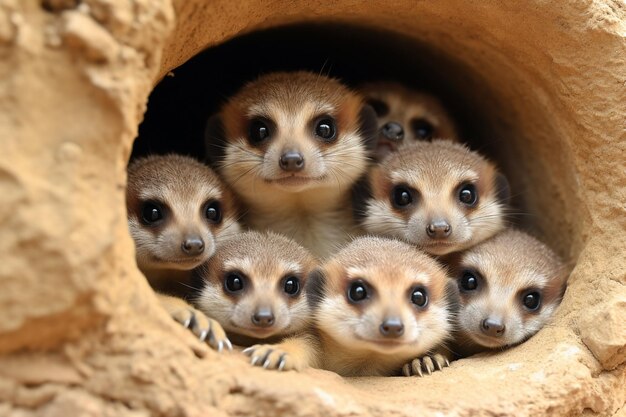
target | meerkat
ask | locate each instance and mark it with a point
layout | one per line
(380, 306)
(438, 195)
(178, 209)
(405, 116)
(509, 288)
(254, 287)
(292, 145)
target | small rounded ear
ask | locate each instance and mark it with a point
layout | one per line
(368, 122)
(361, 192)
(503, 190)
(214, 140)
(314, 286)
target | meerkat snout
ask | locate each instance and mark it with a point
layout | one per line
(438, 229)
(193, 245)
(263, 317)
(392, 131)
(291, 161)
(492, 327)
(392, 327)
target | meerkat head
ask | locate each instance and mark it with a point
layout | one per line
(291, 132)
(509, 286)
(405, 116)
(177, 208)
(437, 195)
(254, 285)
(382, 296)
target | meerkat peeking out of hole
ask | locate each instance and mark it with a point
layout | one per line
(292, 145)
(509, 286)
(438, 195)
(405, 116)
(255, 287)
(178, 210)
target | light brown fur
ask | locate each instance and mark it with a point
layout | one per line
(435, 171)
(264, 260)
(507, 266)
(311, 206)
(394, 102)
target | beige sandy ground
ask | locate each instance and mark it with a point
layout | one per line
(80, 332)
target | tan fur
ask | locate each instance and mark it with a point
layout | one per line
(508, 264)
(313, 205)
(435, 170)
(182, 185)
(350, 333)
(264, 260)
(405, 105)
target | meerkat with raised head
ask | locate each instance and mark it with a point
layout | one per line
(380, 307)
(255, 287)
(292, 145)
(509, 288)
(406, 115)
(438, 195)
(178, 210)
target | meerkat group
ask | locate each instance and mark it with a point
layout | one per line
(344, 229)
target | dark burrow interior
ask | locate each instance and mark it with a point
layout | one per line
(182, 101)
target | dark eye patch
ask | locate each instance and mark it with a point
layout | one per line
(380, 107)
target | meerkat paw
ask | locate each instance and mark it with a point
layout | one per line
(205, 328)
(271, 357)
(425, 365)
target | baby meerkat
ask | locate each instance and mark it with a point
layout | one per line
(255, 287)
(378, 304)
(509, 286)
(292, 145)
(177, 210)
(406, 116)
(438, 195)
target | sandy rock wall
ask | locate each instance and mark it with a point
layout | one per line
(80, 332)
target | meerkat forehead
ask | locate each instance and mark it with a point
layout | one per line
(515, 260)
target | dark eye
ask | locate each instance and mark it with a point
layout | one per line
(401, 196)
(357, 292)
(233, 282)
(151, 213)
(531, 300)
(292, 285)
(419, 297)
(468, 195)
(468, 282)
(259, 131)
(325, 129)
(380, 107)
(214, 211)
(422, 129)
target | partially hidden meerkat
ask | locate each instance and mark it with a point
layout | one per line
(438, 195)
(380, 307)
(178, 210)
(406, 115)
(255, 287)
(292, 145)
(509, 287)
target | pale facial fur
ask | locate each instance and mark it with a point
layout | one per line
(434, 174)
(264, 261)
(507, 267)
(181, 187)
(392, 270)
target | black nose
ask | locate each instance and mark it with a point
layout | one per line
(393, 131)
(193, 246)
(291, 161)
(492, 327)
(438, 229)
(392, 328)
(263, 318)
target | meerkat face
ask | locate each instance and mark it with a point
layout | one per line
(509, 287)
(382, 296)
(291, 132)
(405, 116)
(177, 208)
(254, 286)
(438, 195)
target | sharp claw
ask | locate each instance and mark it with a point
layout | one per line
(429, 371)
(220, 346)
(254, 360)
(281, 363)
(203, 335)
(266, 363)
(190, 321)
(406, 371)
(447, 362)
(229, 345)
(246, 351)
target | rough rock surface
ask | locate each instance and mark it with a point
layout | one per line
(81, 333)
